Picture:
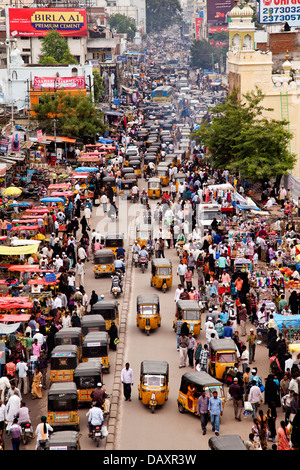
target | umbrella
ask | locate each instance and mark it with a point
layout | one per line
(52, 199)
(86, 168)
(12, 191)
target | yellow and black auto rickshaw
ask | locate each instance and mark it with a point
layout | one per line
(142, 233)
(90, 323)
(71, 335)
(63, 406)
(191, 314)
(67, 439)
(180, 178)
(95, 346)
(127, 170)
(126, 186)
(154, 188)
(148, 315)
(161, 273)
(154, 383)
(162, 172)
(108, 310)
(104, 261)
(201, 382)
(109, 181)
(63, 362)
(86, 376)
(113, 241)
(223, 356)
(136, 164)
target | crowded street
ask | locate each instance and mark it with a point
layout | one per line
(146, 293)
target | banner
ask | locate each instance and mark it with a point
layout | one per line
(197, 27)
(30, 22)
(66, 83)
(217, 11)
(277, 11)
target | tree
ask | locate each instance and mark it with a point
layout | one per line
(201, 54)
(98, 86)
(162, 14)
(55, 50)
(123, 25)
(241, 139)
(75, 114)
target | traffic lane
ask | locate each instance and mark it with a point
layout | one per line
(161, 345)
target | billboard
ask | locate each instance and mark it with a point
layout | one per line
(66, 83)
(198, 22)
(279, 11)
(37, 22)
(217, 11)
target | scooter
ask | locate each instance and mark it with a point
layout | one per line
(134, 198)
(135, 258)
(116, 289)
(27, 432)
(143, 262)
(97, 435)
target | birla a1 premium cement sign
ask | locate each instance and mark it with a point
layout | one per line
(37, 22)
(279, 11)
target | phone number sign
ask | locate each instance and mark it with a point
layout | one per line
(279, 11)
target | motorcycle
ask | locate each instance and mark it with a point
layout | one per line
(144, 199)
(135, 258)
(149, 249)
(143, 262)
(134, 198)
(115, 288)
(31, 193)
(97, 435)
(27, 432)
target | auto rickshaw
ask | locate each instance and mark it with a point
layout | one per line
(142, 233)
(154, 383)
(108, 310)
(91, 323)
(227, 442)
(127, 170)
(223, 356)
(109, 181)
(104, 261)
(126, 186)
(113, 241)
(70, 335)
(161, 273)
(86, 376)
(63, 405)
(148, 312)
(162, 172)
(63, 362)
(95, 346)
(191, 314)
(154, 188)
(62, 440)
(179, 178)
(137, 167)
(170, 159)
(202, 382)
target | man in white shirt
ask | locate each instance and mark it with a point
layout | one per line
(80, 271)
(181, 270)
(81, 253)
(127, 381)
(39, 337)
(178, 291)
(21, 369)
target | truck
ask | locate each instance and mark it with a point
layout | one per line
(206, 213)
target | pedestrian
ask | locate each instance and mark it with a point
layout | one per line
(244, 358)
(22, 369)
(243, 319)
(188, 277)
(161, 250)
(178, 326)
(183, 348)
(113, 336)
(12, 407)
(15, 432)
(255, 398)
(127, 381)
(36, 389)
(80, 272)
(215, 409)
(42, 433)
(202, 410)
(181, 270)
(283, 437)
(252, 340)
(236, 392)
(191, 349)
(36, 348)
(42, 366)
(203, 358)
(2, 417)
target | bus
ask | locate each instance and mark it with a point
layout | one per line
(162, 93)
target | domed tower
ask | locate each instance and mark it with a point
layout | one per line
(241, 28)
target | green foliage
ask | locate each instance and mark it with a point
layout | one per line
(162, 14)
(241, 139)
(75, 114)
(98, 86)
(55, 50)
(123, 25)
(201, 54)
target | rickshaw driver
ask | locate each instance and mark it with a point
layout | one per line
(119, 264)
(136, 248)
(95, 418)
(120, 253)
(135, 191)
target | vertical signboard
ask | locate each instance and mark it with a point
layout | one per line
(279, 11)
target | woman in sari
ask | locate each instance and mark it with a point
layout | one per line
(283, 437)
(36, 389)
